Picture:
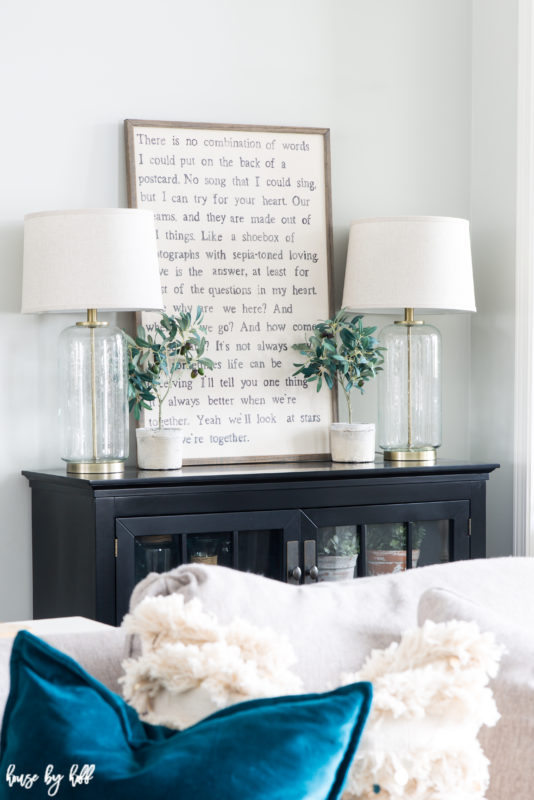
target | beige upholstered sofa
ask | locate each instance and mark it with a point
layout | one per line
(333, 626)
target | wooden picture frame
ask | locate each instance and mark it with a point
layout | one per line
(244, 224)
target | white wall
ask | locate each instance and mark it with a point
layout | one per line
(391, 80)
(401, 145)
(493, 215)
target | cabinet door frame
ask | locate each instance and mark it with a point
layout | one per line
(457, 512)
(128, 529)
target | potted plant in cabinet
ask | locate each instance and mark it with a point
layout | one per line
(343, 352)
(176, 343)
(337, 553)
(386, 547)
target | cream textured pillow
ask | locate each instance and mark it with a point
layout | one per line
(510, 745)
(191, 666)
(430, 697)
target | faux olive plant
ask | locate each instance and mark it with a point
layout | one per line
(338, 541)
(176, 343)
(341, 351)
(393, 537)
(342, 541)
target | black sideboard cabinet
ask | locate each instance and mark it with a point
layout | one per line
(95, 537)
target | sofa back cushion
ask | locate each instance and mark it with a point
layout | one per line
(334, 626)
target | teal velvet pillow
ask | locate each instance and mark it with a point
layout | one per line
(59, 721)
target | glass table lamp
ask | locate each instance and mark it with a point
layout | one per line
(91, 259)
(407, 263)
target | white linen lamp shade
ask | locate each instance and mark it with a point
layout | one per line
(91, 259)
(407, 263)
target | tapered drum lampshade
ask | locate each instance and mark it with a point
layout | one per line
(89, 260)
(406, 264)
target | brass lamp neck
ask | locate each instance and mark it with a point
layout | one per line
(92, 321)
(409, 319)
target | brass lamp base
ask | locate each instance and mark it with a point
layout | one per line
(97, 467)
(427, 454)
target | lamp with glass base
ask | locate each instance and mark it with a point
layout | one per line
(420, 265)
(93, 390)
(409, 390)
(91, 259)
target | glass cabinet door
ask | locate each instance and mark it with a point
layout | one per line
(256, 542)
(376, 540)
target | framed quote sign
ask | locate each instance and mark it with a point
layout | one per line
(243, 223)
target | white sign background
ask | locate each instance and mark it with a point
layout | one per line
(243, 225)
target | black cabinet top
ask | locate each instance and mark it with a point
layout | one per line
(133, 478)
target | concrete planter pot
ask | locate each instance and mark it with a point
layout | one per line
(384, 562)
(336, 568)
(352, 442)
(159, 448)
